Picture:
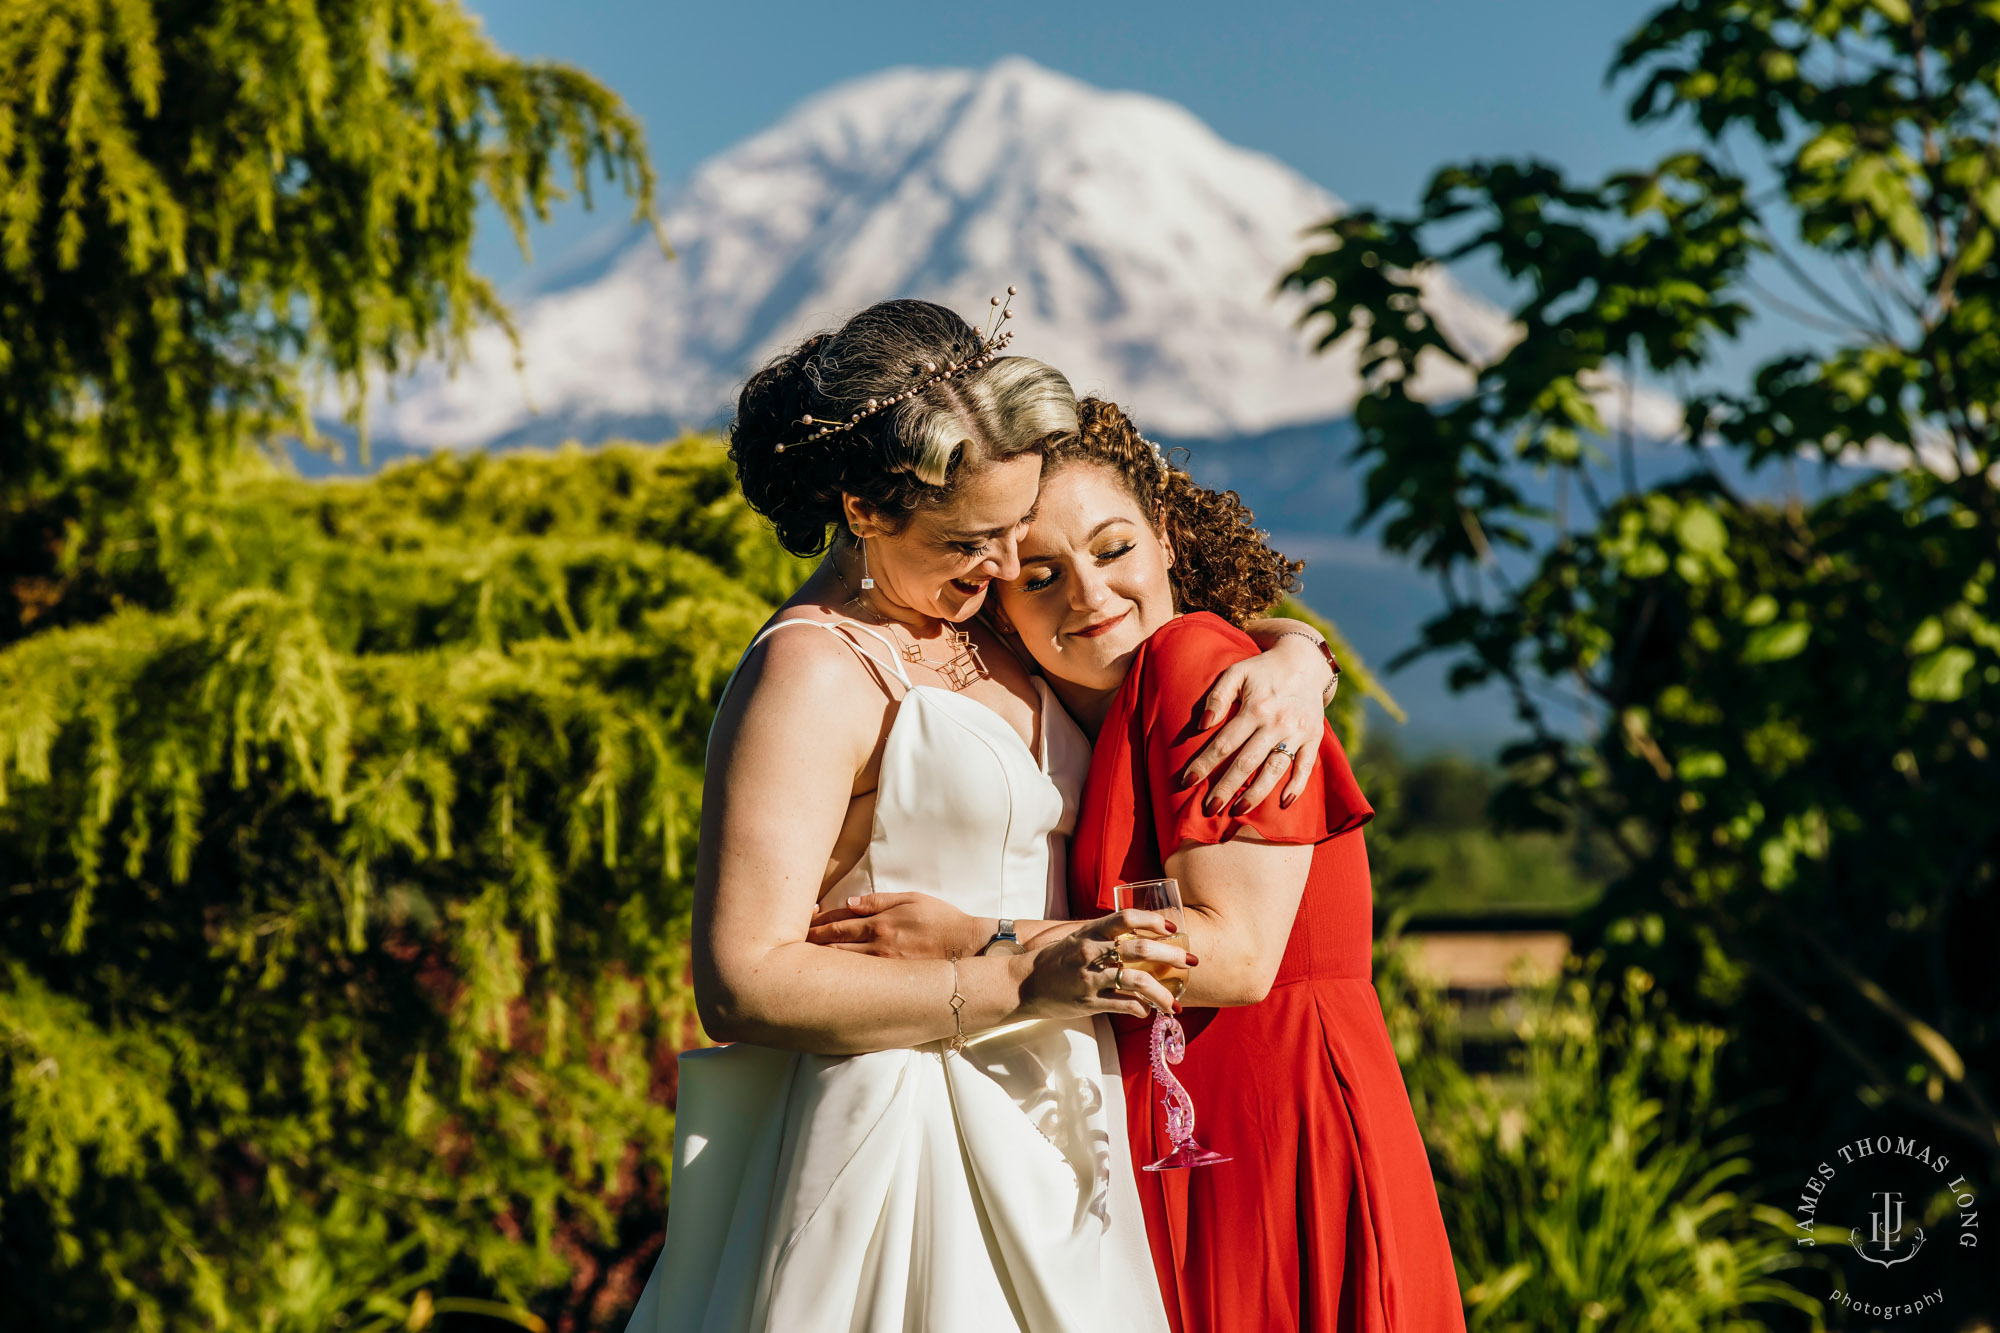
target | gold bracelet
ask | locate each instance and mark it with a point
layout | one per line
(957, 1008)
(1326, 651)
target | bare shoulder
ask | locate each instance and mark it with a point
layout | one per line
(823, 660)
(808, 683)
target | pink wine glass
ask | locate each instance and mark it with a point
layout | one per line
(1169, 1039)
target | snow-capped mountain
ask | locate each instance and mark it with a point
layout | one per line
(1146, 249)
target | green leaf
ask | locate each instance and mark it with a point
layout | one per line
(1940, 676)
(1776, 643)
(1701, 531)
(1826, 150)
(1699, 765)
(1977, 251)
(1906, 224)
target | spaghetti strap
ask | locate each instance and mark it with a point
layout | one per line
(831, 627)
(895, 658)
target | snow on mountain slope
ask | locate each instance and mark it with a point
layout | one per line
(1146, 249)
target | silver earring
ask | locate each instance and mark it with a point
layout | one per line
(866, 582)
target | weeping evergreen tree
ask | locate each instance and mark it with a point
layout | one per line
(344, 828)
(344, 928)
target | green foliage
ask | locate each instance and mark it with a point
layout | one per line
(1433, 850)
(1589, 1188)
(343, 829)
(1795, 705)
(206, 208)
(1436, 872)
(1357, 682)
(344, 935)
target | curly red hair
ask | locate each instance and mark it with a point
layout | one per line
(1222, 563)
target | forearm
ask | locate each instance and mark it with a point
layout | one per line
(1242, 897)
(1034, 934)
(1266, 630)
(978, 932)
(802, 997)
(1280, 634)
(1235, 968)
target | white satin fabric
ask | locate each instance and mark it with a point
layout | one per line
(910, 1189)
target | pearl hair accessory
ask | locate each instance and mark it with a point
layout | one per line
(991, 343)
(1166, 468)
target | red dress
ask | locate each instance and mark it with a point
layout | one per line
(1327, 1219)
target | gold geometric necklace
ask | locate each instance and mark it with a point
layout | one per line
(960, 669)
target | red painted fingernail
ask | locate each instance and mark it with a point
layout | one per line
(1177, 1007)
(1173, 929)
(1193, 961)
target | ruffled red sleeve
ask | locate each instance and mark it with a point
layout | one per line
(1171, 676)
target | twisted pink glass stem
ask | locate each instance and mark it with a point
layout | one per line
(1170, 1048)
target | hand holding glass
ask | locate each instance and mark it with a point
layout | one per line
(1169, 1041)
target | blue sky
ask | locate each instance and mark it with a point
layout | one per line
(1366, 99)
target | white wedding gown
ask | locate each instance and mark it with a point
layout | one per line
(910, 1189)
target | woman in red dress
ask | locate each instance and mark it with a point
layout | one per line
(1133, 584)
(1327, 1217)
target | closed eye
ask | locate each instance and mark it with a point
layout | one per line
(1039, 582)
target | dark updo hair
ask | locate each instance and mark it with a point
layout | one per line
(1221, 563)
(911, 455)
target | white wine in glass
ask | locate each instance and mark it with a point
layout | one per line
(1172, 978)
(1169, 1040)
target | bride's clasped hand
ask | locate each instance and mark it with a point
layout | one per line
(1065, 965)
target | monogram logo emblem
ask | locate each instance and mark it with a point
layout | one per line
(1885, 1231)
(1897, 1183)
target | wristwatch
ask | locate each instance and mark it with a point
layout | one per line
(1004, 939)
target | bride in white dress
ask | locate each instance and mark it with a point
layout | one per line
(899, 1144)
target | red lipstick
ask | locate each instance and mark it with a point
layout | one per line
(1101, 627)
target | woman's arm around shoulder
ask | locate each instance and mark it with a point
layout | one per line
(1278, 695)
